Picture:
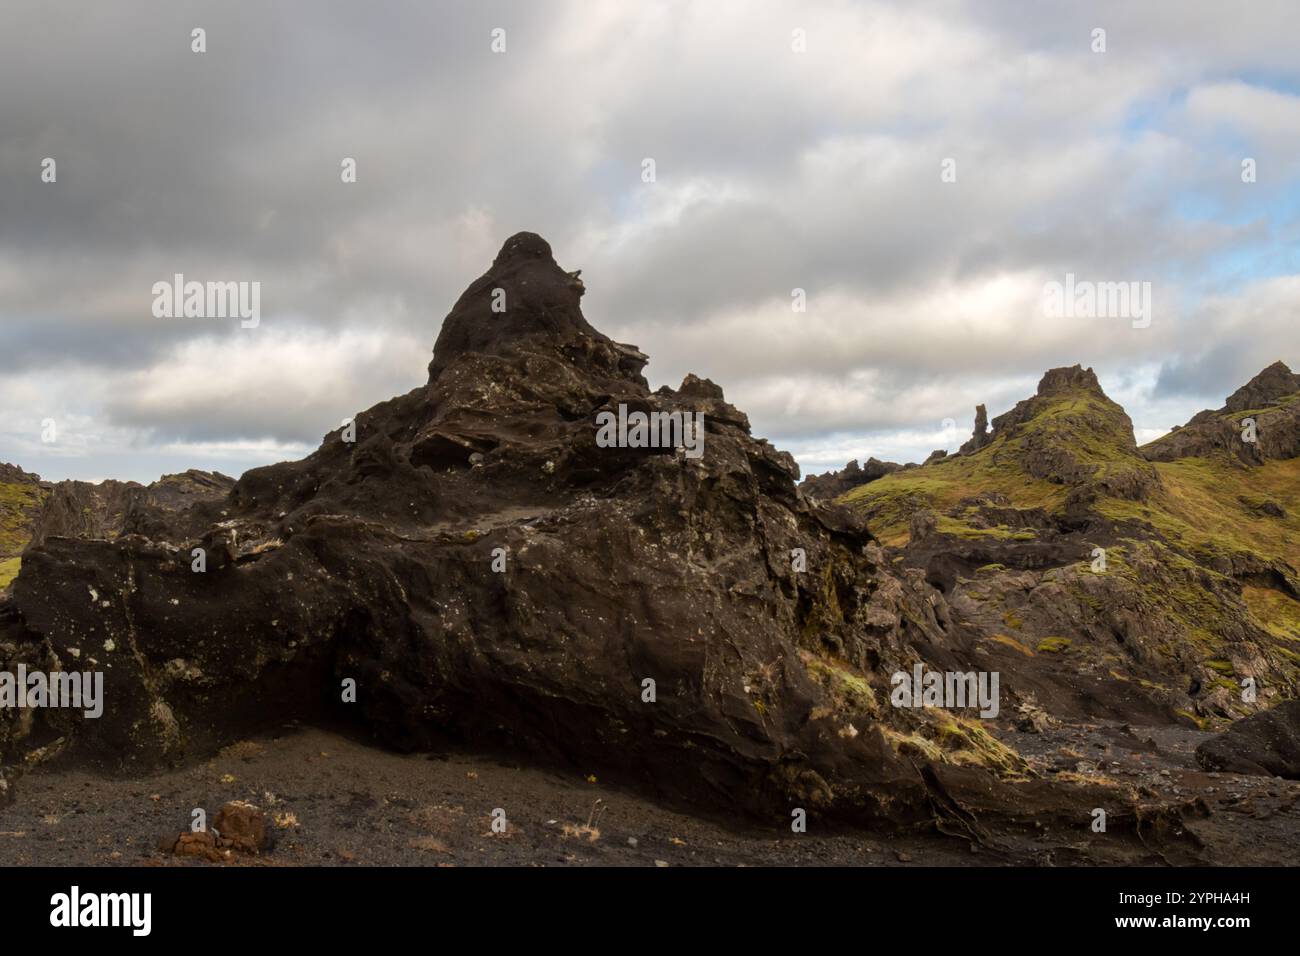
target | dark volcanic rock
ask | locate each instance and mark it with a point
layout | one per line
(1268, 387)
(485, 571)
(80, 509)
(1270, 399)
(980, 436)
(374, 561)
(13, 475)
(1264, 743)
(832, 484)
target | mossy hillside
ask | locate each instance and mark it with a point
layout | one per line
(1210, 505)
(1203, 509)
(1086, 423)
(889, 502)
(1202, 621)
(1182, 538)
(20, 503)
(1175, 589)
(8, 571)
(1277, 613)
(1069, 436)
(1202, 515)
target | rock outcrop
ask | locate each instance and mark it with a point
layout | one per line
(1267, 388)
(1071, 433)
(832, 484)
(980, 435)
(1259, 422)
(1108, 585)
(478, 566)
(1264, 743)
(81, 509)
(14, 475)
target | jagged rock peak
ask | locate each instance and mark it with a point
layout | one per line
(524, 298)
(14, 475)
(1212, 432)
(1273, 383)
(1066, 378)
(832, 484)
(695, 387)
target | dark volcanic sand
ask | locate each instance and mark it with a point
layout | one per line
(342, 802)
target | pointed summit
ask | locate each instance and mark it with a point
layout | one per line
(525, 297)
(1267, 388)
(1271, 399)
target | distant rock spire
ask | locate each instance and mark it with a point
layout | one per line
(980, 436)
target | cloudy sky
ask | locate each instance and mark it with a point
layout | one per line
(776, 168)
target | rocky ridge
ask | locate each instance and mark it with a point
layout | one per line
(1115, 581)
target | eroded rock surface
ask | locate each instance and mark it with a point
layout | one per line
(486, 572)
(832, 484)
(1267, 742)
(1270, 402)
(81, 509)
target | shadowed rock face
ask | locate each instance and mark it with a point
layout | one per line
(486, 572)
(80, 509)
(373, 560)
(832, 484)
(1264, 743)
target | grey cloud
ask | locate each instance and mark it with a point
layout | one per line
(775, 171)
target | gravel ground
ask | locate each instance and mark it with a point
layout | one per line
(335, 800)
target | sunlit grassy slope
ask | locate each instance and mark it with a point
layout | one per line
(1200, 508)
(19, 504)
(1078, 428)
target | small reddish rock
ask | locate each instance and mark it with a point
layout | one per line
(243, 827)
(202, 844)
